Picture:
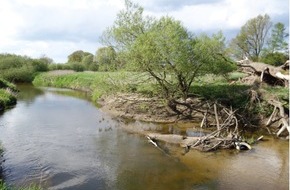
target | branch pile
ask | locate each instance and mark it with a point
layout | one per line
(271, 76)
(227, 133)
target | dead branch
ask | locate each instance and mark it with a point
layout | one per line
(216, 117)
(284, 118)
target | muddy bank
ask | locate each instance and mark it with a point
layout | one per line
(137, 107)
(223, 135)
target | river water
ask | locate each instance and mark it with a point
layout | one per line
(58, 139)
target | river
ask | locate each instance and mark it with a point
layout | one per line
(58, 139)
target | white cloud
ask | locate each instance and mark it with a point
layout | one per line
(225, 14)
(59, 27)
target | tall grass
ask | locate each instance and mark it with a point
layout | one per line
(209, 87)
(7, 99)
(98, 83)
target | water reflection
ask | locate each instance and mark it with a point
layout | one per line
(30, 93)
(61, 142)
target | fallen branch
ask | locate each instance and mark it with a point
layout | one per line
(284, 118)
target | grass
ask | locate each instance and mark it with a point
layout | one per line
(4, 186)
(6, 98)
(280, 92)
(234, 95)
(97, 83)
(209, 87)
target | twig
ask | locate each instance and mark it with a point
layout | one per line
(203, 120)
(272, 115)
(216, 117)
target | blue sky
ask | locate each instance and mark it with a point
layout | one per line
(56, 28)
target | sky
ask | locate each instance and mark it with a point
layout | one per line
(57, 28)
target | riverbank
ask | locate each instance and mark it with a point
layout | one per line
(135, 96)
(7, 94)
(225, 106)
(87, 140)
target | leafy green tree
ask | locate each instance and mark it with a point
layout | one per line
(87, 61)
(252, 37)
(129, 24)
(167, 51)
(106, 59)
(45, 59)
(17, 68)
(278, 39)
(76, 66)
(77, 56)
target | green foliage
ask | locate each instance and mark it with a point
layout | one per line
(128, 25)
(278, 40)
(7, 99)
(4, 186)
(76, 56)
(279, 92)
(46, 60)
(232, 95)
(89, 63)
(78, 61)
(20, 68)
(173, 57)
(52, 67)
(6, 84)
(275, 59)
(252, 37)
(106, 59)
(97, 83)
(78, 67)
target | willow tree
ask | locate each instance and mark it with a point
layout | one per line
(166, 50)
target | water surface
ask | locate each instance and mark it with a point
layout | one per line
(60, 140)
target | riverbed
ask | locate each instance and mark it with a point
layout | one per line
(58, 139)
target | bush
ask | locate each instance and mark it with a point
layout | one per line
(275, 59)
(53, 67)
(22, 74)
(6, 99)
(15, 68)
(6, 84)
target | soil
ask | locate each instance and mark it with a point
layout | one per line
(137, 107)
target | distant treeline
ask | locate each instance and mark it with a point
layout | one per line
(16, 68)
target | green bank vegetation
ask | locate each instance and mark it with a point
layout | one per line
(4, 186)
(177, 64)
(16, 68)
(209, 87)
(174, 65)
(7, 94)
(99, 83)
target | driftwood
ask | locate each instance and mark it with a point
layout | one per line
(267, 73)
(225, 136)
(272, 76)
(283, 117)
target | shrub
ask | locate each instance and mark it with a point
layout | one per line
(78, 67)
(275, 59)
(20, 68)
